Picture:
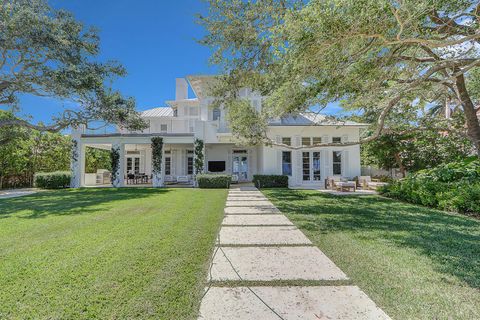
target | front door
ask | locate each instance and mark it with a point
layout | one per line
(311, 166)
(240, 167)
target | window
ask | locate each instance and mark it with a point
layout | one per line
(337, 162)
(305, 141)
(287, 163)
(316, 165)
(133, 165)
(287, 141)
(216, 113)
(216, 166)
(175, 112)
(337, 139)
(168, 165)
(316, 140)
(190, 165)
(163, 128)
(306, 166)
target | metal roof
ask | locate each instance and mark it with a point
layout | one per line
(311, 118)
(158, 112)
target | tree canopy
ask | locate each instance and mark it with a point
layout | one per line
(381, 58)
(46, 52)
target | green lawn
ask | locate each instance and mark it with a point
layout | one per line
(106, 253)
(414, 262)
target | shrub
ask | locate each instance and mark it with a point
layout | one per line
(464, 197)
(52, 180)
(214, 181)
(270, 181)
(467, 170)
(453, 187)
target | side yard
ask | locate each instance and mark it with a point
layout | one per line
(107, 254)
(414, 262)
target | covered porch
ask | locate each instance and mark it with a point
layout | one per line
(135, 168)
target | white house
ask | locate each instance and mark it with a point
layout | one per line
(186, 119)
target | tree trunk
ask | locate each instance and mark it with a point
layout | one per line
(398, 159)
(472, 121)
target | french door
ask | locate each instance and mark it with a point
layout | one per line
(133, 165)
(311, 166)
(240, 167)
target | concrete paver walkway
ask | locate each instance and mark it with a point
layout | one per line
(5, 194)
(258, 251)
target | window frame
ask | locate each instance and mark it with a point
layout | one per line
(168, 165)
(289, 141)
(288, 163)
(216, 114)
(338, 163)
(309, 141)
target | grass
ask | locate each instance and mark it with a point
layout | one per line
(106, 253)
(414, 262)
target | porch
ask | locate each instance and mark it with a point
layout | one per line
(134, 154)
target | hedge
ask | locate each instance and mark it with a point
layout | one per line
(270, 181)
(52, 180)
(214, 181)
(452, 187)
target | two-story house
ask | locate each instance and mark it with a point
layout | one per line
(186, 119)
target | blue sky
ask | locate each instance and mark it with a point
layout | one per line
(155, 40)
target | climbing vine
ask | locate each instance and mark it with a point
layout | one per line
(74, 150)
(199, 156)
(157, 147)
(115, 158)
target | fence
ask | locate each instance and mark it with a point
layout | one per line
(16, 181)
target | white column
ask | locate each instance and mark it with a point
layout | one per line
(75, 162)
(157, 177)
(119, 180)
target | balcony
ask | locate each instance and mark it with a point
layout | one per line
(163, 126)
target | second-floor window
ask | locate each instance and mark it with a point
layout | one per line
(163, 128)
(287, 141)
(216, 113)
(305, 141)
(337, 139)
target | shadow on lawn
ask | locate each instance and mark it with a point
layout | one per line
(451, 241)
(71, 201)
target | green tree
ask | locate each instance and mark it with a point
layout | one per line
(379, 57)
(97, 159)
(46, 52)
(415, 151)
(25, 151)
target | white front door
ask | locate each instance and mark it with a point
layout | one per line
(311, 166)
(240, 167)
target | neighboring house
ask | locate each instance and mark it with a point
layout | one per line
(186, 119)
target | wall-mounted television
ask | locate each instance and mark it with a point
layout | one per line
(216, 166)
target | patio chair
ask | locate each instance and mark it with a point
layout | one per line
(330, 182)
(234, 178)
(183, 179)
(130, 178)
(169, 179)
(367, 183)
